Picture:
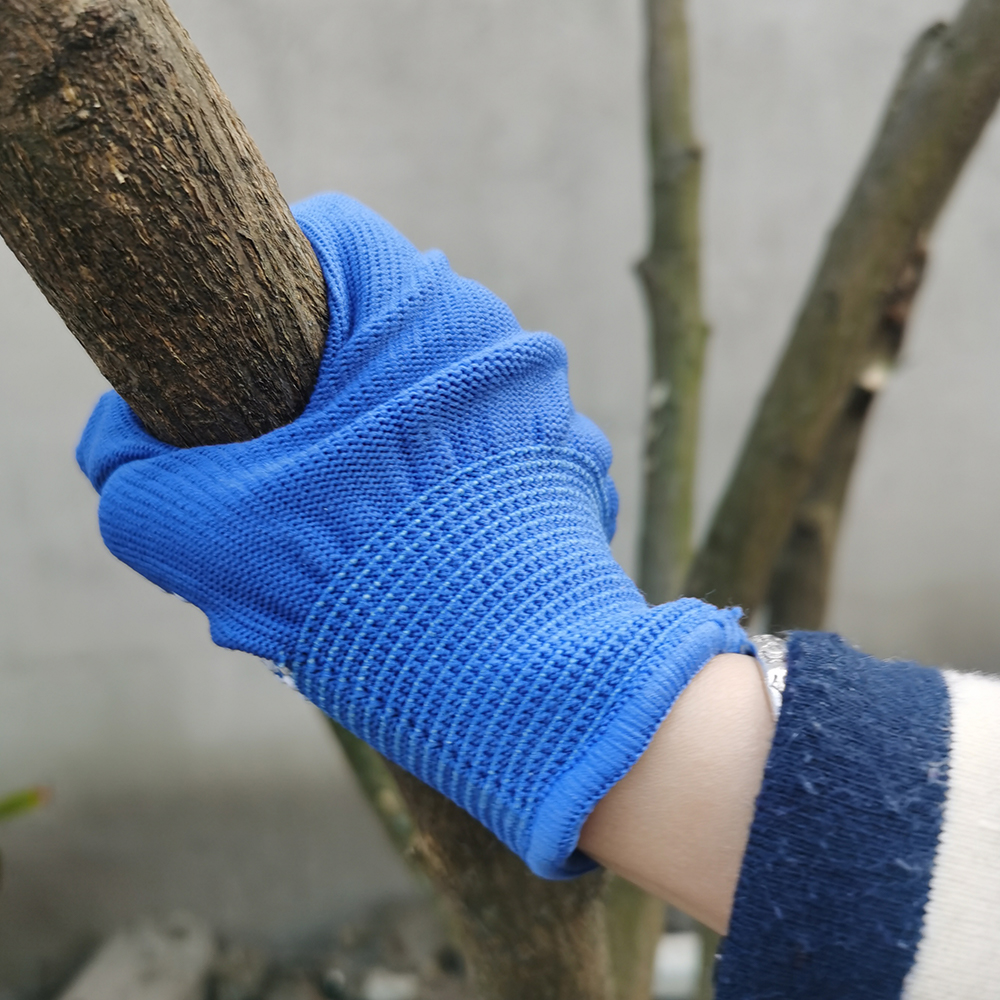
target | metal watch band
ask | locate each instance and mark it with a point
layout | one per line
(772, 655)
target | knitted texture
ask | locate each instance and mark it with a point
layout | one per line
(836, 875)
(425, 550)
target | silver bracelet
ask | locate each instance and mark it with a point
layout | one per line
(772, 656)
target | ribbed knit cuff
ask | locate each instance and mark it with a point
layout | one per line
(669, 645)
(486, 641)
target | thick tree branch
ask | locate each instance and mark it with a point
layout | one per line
(946, 95)
(524, 936)
(136, 200)
(132, 194)
(799, 589)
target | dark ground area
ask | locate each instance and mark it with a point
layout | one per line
(396, 951)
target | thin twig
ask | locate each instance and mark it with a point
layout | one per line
(379, 787)
(671, 276)
(672, 280)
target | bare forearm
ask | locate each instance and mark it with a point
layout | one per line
(677, 823)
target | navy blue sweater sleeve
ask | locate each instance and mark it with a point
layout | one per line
(879, 792)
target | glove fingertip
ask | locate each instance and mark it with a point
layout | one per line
(112, 438)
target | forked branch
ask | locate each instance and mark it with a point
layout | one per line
(947, 93)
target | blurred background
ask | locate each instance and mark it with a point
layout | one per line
(510, 134)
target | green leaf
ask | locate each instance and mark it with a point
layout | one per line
(22, 802)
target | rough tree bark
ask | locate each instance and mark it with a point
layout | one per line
(800, 586)
(947, 93)
(138, 203)
(134, 197)
(525, 936)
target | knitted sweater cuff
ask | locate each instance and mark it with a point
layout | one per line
(836, 871)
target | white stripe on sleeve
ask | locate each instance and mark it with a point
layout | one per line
(958, 957)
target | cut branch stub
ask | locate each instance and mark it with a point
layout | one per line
(131, 192)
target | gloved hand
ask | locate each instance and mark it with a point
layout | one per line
(424, 551)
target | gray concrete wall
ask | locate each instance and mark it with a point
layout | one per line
(509, 134)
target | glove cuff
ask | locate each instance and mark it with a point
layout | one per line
(487, 642)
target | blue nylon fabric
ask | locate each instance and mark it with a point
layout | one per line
(425, 548)
(836, 875)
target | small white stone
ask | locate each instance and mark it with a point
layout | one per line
(154, 960)
(677, 966)
(659, 393)
(380, 984)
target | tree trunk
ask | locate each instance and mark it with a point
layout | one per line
(524, 937)
(132, 194)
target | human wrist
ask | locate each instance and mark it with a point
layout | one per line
(677, 823)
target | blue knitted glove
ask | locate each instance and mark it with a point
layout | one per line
(424, 551)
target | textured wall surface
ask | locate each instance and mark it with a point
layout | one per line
(509, 134)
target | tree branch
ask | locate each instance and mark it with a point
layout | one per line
(132, 194)
(946, 94)
(671, 277)
(635, 922)
(380, 788)
(672, 280)
(136, 200)
(524, 936)
(799, 589)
